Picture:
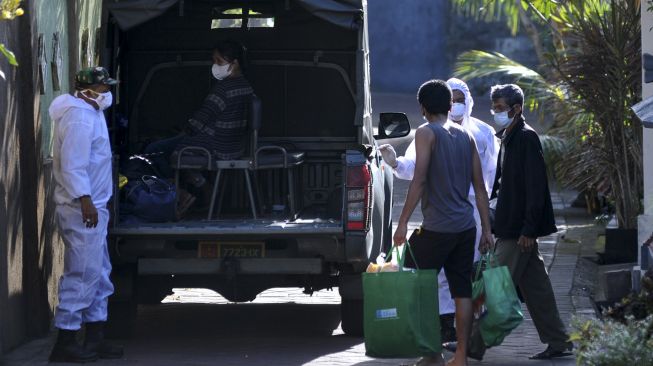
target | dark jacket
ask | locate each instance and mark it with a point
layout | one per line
(524, 201)
(220, 124)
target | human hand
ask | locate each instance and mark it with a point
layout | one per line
(487, 242)
(526, 243)
(89, 212)
(389, 154)
(400, 235)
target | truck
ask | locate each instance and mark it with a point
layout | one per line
(308, 63)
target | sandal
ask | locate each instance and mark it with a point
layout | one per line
(550, 353)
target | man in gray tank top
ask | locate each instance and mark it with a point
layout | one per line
(447, 163)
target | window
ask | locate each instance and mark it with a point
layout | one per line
(241, 18)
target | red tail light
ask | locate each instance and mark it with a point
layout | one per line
(359, 197)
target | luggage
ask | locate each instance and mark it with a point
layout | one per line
(137, 166)
(149, 199)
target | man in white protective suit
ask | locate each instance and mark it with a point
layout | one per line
(488, 148)
(82, 172)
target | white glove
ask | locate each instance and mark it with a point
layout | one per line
(389, 155)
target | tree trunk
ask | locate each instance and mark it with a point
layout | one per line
(533, 34)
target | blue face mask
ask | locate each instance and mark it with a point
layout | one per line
(501, 119)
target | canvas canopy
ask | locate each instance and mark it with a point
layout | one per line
(343, 13)
(331, 50)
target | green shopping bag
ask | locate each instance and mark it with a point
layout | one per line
(503, 306)
(401, 312)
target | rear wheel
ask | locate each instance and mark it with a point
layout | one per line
(351, 312)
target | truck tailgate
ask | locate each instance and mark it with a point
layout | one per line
(231, 227)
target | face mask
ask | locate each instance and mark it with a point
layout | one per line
(457, 111)
(220, 71)
(502, 120)
(103, 100)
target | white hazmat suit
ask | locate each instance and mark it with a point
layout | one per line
(487, 145)
(82, 166)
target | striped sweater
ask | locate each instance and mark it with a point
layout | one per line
(220, 124)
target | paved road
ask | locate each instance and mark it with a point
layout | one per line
(284, 326)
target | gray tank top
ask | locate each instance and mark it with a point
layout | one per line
(445, 206)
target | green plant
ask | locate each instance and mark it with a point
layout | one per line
(544, 21)
(603, 76)
(625, 337)
(588, 81)
(9, 9)
(612, 343)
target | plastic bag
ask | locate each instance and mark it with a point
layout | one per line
(401, 312)
(503, 309)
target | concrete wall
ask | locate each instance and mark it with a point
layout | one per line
(10, 224)
(415, 40)
(407, 43)
(645, 222)
(31, 253)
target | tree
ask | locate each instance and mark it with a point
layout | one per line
(603, 76)
(545, 21)
(590, 77)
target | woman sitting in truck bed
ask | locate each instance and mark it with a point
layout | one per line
(219, 125)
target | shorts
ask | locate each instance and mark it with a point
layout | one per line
(452, 251)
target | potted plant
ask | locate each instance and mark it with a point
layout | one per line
(625, 334)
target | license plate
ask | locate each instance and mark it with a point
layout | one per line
(212, 249)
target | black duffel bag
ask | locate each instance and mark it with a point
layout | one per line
(150, 199)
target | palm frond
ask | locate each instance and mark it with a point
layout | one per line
(480, 64)
(544, 11)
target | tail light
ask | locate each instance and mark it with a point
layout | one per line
(359, 197)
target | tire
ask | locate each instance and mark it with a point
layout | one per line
(351, 312)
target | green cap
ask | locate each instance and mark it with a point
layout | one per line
(94, 76)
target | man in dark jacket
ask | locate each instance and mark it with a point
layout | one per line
(523, 213)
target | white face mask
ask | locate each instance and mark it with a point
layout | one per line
(220, 72)
(502, 120)
(103, 100)
(457, 112)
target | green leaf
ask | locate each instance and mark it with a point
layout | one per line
(8, 54)
(514, 22)
(480, 64)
